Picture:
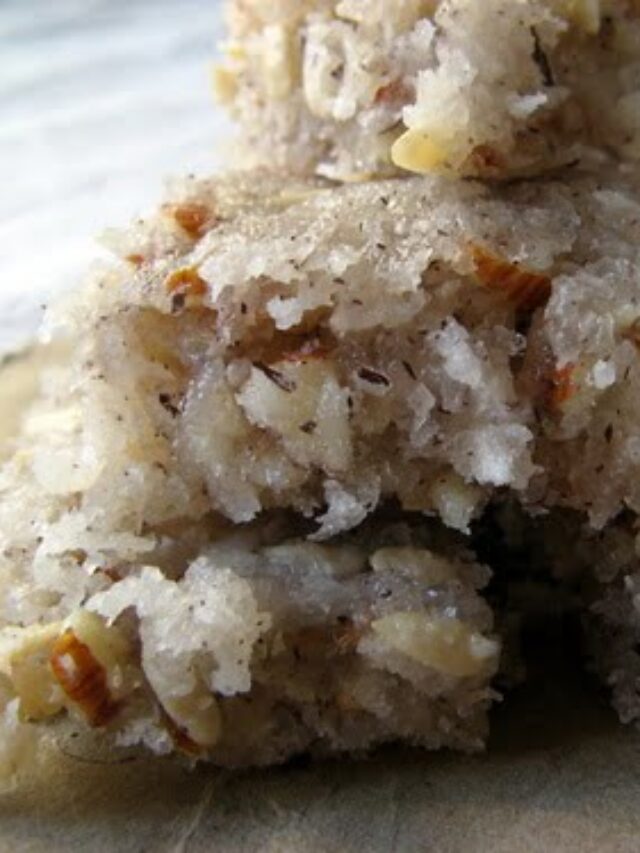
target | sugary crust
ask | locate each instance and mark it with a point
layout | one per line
(354, 89)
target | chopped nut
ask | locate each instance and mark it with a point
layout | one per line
(395, 92)
(584, 13)
(526, 289)
(179, 736)
(185, 284)
(24, 656)
(224, 82)
(561, 386)
(312, 347)
(107, 643)
(195, 719)
(280, 61)
(192, 217)
(416, 151)
(83, 679)
(484, 158)
(447, 645)
(632, 333)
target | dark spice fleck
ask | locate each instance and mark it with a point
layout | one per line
(409, 369)
(276, 377)
(309, 427)
(165, 402)
(177, 302)
(372, 376)
(542, 60)
(608, 433)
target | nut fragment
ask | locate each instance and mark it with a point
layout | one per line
(526, 289)
(196, 722)
(484, 159)
(561, 386)
(78, 660)
(584, 13)
(180, 738)
(395, 92)
(447, 645)
(23, 658)
(416, 151)
(192, 217)
(280, 61)
(185, 284)
(632, 333)
(224, 82)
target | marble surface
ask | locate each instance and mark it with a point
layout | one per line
(100, 101)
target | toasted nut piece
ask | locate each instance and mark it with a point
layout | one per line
(561, 386)
(180, 738)
(484, 158)
(416, 151)
(191, 216)
(224, 82)
(280, 61)
(585, 13)
(23, 658)
(196, 717)
(81, 674)
(632, 333)
(395, 92)
(447, 645)
(107, 643)
(185, 284)
(526, 289)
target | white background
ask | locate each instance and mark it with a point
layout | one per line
(100, 101)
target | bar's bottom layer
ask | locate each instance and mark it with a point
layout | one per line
(248, 645)
(269, 646)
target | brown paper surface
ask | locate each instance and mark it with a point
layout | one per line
(560, 775)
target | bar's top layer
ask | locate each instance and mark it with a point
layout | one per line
(492, 88)
(275, 345)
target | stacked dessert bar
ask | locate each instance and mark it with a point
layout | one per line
(242, 520)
